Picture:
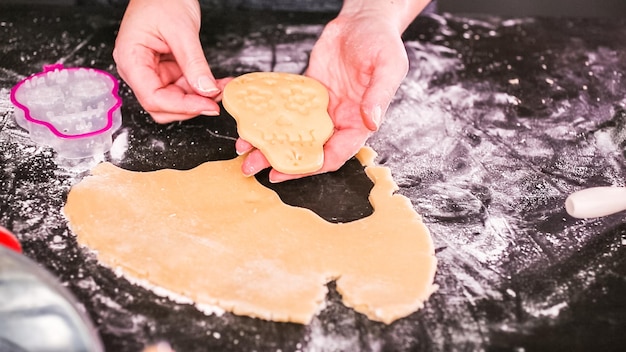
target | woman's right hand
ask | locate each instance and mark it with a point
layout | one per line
(159, 55)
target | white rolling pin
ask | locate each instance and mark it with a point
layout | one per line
(596, 202)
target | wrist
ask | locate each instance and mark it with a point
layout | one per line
(399, 12)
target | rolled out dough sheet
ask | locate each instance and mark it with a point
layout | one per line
(220, 238)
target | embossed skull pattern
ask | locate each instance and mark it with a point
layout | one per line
(283, 115)
(74, 110)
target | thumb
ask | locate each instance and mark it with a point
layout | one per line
(384, 82)
(187, 51)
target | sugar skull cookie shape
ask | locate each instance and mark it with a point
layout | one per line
(284, 115)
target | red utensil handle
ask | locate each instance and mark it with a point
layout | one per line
(8, 240)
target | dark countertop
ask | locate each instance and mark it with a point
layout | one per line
(497, 122)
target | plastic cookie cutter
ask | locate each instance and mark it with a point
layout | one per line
(73, 110)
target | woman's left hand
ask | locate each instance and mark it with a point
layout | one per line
(361, 59)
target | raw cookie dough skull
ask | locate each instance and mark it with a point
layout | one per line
(283, 115)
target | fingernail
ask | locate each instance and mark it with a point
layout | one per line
(242, 151)
(207, 86)
(377, 115)
(164, 347)
(210, 113)
(275, 180)
(248, 170)
(279, 177)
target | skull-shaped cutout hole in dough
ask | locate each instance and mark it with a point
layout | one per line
(283, 115)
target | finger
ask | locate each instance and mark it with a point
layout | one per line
(169, 72)
(341, 146)
(242, 147)
(188, 52)
(221, 83)
(137, 65)
(166, 117)
(162, 102)
(173, 104)
(278, 177)
(386, 77)
(254, 163)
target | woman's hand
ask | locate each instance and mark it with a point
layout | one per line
(159, 55)
(361, 59)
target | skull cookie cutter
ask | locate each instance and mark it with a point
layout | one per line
(284, 115)
(73, 110)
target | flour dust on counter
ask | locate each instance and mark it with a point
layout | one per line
(491, 138)
(497, 122)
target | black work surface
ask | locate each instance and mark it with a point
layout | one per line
(497, 122)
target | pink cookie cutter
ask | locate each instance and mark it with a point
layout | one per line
(73, 110)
